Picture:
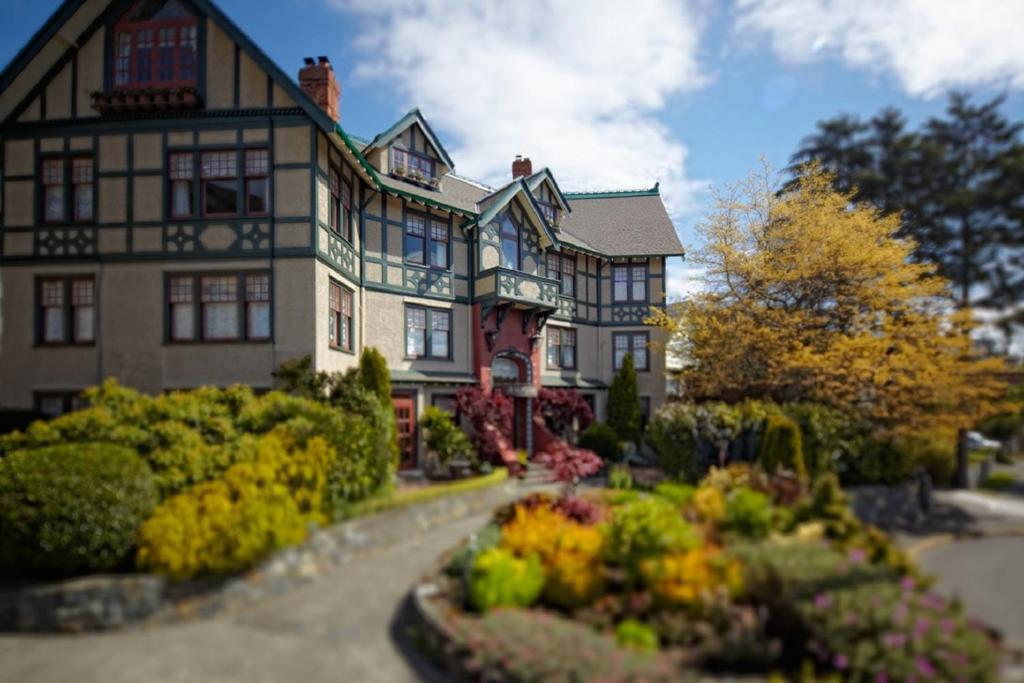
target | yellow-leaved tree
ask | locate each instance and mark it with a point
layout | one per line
(808, 296)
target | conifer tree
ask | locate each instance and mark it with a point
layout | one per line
(624, 403)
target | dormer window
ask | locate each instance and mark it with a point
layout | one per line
(549, 210)
(413, 166)
(156, 46)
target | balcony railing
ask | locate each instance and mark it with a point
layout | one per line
(521, 288)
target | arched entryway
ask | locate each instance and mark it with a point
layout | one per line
(512, 375)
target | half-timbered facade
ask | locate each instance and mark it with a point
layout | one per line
(177, 211)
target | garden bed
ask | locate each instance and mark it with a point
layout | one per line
(746, 575)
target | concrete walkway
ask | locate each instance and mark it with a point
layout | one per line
(344, 627)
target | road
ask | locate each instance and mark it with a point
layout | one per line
(343, 627)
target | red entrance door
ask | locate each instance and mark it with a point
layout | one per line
(405, 419)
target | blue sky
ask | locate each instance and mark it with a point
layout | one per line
(620, 95)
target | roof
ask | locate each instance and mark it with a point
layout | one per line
(413, 116)
(630, 223)
(499, 199)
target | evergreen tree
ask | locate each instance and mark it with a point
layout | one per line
(624, 403)
(374, 375)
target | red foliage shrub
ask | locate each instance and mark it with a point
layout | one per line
(490, 419)
(578, 509)
(569, 464)
(561, 408)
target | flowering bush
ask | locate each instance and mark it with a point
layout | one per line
(500, 579)
(579, 510)
(569, 464)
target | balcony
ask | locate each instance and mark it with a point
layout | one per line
(521, 289)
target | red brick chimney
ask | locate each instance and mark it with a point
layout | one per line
(317, 80)
(521, 167)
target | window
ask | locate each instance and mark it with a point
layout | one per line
(447, 403)
(509, 243)
(53, 190)
(220, 183)
(549, 211)
(67, 310)
(563, 269)
(82, 188)
(412, 164)
(155, 44)
(341, 205)
(181, 174)
(428, 332)
(561, 348)
(438, 244)
(257, 182)
(629, 283)
(415, 239)
(56, 403)
(230, 307)
(634, 343)
(340, 323)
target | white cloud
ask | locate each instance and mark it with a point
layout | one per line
(576, 86)
(928, 45)
(682, 280)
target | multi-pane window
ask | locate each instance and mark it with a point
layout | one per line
(220, 183)
(428, 332)
(634, 343)
(82, 188)
(155, 44)
(341, 205)
(222, 307)
(549, 211)
(446, 402)
(415, 238)
(509, 243)
(67, 310)
(629, 283)
(412, 164)
(257, 181)
(561, 348)
(56, 403)
(340, 322)
(182, 176)
(563, 269)
(53, 190)
(438, 244)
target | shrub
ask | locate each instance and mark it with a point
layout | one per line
(578, 509)
(533, 530)
(933, 450)
(601, 439)
(620, 477)
(645, 528)
(228, 524)
(636, 635)
(829, 435)
(444, 437)
(691, 577)
(565, 412)
(490, 419)
(672, 432)
(569, 465)
(374, 375)
(781, 446)
(679, 495)
(709, 503)
(500, 579)
(748, 513)
(72, 508)
(575, 573)
(998, 481)
(624, 415)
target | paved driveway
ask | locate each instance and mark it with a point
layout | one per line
(344, 627)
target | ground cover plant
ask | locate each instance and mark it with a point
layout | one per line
(745, 572)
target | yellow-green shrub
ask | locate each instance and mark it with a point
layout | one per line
(500, 579)
(709, 502)
(686, 578)
(781, 446)
(228, 524)
(575, 573)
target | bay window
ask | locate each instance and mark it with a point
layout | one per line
(561, 348)
(340, 320)
(629, 283)
(428, 332)
(67, 309)
(155, 45)
(634, 343)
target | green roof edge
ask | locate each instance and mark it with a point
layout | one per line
(611, 194)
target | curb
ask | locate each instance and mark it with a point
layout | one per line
(938, 540)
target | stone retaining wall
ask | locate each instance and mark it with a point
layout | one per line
(104, 602)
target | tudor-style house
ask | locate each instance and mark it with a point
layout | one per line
(177, 211)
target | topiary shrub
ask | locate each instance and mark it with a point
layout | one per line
(71, 508)
(500, 579)
(601, 439)
(374, 374)
(228, 524)
(781, 446)
(624, 414)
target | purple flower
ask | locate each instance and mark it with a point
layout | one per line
(881, 677)
(948, 626)
(840, 661)
(857, 555)
(907, 584)
(933, 601)
(821, 601)
(924, 667)
(894, 640)
(921, 626)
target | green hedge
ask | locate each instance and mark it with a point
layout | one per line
(72, 508)
(601, 439)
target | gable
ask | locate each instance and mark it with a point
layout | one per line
(72, 56)
(412, 133)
